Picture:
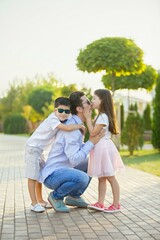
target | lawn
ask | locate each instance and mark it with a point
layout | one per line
(145, 160)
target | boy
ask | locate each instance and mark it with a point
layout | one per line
(39, 141)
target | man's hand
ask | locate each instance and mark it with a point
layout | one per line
(96, 138)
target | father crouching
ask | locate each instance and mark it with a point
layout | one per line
(66, 166)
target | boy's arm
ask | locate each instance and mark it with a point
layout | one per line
(71, 127)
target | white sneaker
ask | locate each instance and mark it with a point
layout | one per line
(46, 205)
(37, 208)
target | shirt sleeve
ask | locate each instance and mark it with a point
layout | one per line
(102, 119)
(54, 122)
(75, 150)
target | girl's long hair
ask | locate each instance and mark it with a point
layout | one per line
(107, 107)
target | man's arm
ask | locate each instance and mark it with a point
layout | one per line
(75, 150)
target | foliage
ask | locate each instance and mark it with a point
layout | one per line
(156, 116)
(15, 123)
(132, 133)
(39, 97)
(116, 56)
(134, 81)
(112, 54)
(147, 118)
(30, 114)
(122, 116)
(18, 97)
(67, 90)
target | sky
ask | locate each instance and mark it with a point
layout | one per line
(42, 37)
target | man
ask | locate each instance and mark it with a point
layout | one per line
(66, 166)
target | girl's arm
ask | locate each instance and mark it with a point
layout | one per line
(93, 130)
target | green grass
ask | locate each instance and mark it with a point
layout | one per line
(145, 160)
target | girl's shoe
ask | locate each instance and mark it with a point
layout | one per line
(112, 209)
(96, 206)
(46, 205)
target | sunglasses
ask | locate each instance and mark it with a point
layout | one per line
(87, 101)
(61, 110)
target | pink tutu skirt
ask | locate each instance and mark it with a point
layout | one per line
(104, 159)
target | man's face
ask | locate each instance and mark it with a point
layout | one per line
(62, 112)
(86, 103)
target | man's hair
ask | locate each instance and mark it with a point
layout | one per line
(75, 100)
(62, 101)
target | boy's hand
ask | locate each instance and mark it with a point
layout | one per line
(83, 129)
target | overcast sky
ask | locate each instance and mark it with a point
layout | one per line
(45, 36)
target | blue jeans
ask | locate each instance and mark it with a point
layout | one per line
(68, 181)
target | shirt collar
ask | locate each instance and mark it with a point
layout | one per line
(77, 119)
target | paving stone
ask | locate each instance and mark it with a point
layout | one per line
(139, 219)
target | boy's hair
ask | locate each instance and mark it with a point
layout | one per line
(75, 100)
(62, 101)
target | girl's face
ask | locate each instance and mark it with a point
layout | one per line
(96, 101)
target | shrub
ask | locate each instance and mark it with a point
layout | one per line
(14, 123)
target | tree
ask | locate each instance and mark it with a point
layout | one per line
(39, 97)
(67, 90)
(122, 116)
(144, 80)
(147, 118)
(115, 55)
(156, 116)
(132, 133)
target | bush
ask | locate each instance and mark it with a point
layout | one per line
(14, 123)
(132, 133)
(156, 117)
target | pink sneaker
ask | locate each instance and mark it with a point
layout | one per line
(96, 206)
(112, 209)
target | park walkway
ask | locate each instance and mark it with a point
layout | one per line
(140, 200)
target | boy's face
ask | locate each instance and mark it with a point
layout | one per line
(62, 112)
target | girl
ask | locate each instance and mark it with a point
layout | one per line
(104, 158)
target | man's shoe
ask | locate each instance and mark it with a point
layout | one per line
(58, 205)
(77, 202)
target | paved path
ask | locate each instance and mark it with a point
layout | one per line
(140, 200)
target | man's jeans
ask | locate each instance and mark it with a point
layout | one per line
(68, 181)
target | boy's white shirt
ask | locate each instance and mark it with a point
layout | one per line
(45, 133)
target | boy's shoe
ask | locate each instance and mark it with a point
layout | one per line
(46, 205)
(96, 206)
(37, 208)
(77, 202)
(57, 204)
(112, 209)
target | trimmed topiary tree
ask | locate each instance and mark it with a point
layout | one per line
(132, 133)
(156, 117)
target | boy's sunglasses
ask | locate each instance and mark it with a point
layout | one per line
(61, 110)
